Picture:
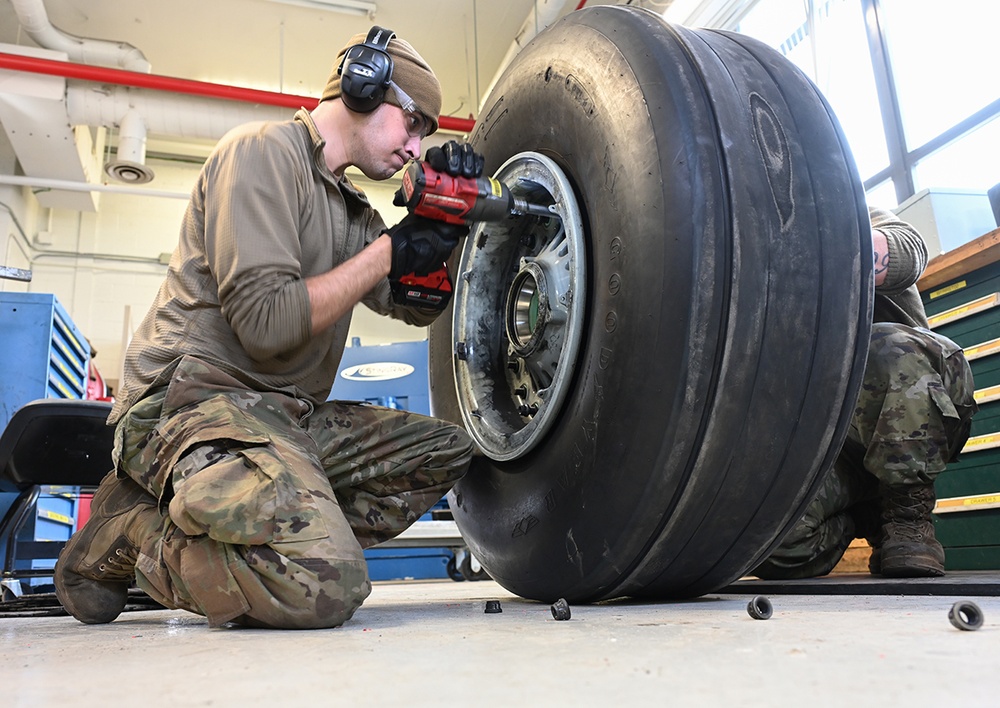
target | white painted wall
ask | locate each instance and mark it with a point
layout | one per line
(14, 251)
(104, 267)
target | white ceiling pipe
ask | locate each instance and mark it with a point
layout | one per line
(129, 165)
(132, 138)
(191, 117)
(71, 186)
(543, 14)
(35, 21)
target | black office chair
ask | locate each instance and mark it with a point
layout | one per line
(48, 442)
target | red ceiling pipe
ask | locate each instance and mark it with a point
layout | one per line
(136, 79)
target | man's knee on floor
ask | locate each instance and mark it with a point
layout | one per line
(323, 611)
(803, 542)
(340, 592)
(314, 594)
(808, 530)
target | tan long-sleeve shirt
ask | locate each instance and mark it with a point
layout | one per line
(897, 299)
(265, 214)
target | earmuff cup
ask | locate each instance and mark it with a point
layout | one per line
(366, 72)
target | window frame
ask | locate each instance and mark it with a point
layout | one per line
(902, 159)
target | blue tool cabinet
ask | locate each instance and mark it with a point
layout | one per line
(388, 375)
(42, 355)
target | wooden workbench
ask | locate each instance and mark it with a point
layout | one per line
(971, 256)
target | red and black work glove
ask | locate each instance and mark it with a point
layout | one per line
(421, 245)
(457, 159)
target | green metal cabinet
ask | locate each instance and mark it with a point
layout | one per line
(963, 303)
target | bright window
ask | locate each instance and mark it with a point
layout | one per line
(883, 195)
(971, 162)
(940, 56)
(944, 58)
(832, 49)
(779, 23)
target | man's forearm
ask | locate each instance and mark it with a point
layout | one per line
(880, 246)
(334, 293)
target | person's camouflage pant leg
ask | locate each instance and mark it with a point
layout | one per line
(256, 533)
(387, 467)
(912, 416)
(916, 404)
(818, 540)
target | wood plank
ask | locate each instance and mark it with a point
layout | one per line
(982, 304)
(980, 350)
(966, 258)
(855, 558)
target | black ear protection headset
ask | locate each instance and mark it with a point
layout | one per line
(366, 72)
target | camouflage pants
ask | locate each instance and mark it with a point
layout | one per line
(268, 500)
(911, 419)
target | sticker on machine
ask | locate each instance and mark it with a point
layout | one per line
(377, 371)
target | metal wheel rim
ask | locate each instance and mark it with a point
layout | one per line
(519, 308)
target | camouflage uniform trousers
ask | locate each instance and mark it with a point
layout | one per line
(911, 419)
(268, 501)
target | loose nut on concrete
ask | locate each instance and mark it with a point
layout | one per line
(560, 609)
(760, 608)
(966, 615)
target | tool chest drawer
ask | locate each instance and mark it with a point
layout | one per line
(961, 293)
(42, 352)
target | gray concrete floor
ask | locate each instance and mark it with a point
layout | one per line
(430, 643)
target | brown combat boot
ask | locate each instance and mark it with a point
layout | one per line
(95, 569)
(908, 546)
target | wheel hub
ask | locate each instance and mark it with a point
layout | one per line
(519, 310)
(527, 309)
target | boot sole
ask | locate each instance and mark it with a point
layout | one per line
(912, 570)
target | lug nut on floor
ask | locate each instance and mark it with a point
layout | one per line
(560, 609)
(760, 608)
(966, 615)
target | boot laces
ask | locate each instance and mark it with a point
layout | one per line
(909, 531)
(909, 504)
(907, 513)
(120, 563)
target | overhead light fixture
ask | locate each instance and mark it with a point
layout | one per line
(348, 7)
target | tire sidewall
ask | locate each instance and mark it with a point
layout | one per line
(643, 315)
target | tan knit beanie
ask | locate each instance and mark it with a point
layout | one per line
(409, 70)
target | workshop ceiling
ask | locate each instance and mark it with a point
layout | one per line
(290, 48)
(68, 135)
